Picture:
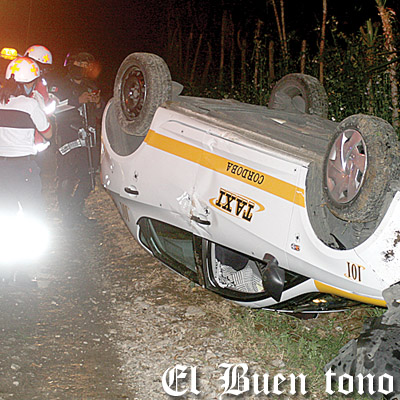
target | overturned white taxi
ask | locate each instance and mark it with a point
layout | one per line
(274, 207)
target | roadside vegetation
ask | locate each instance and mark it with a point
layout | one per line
(219, 55)
(297, 346)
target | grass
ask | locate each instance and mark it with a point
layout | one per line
(302, 346)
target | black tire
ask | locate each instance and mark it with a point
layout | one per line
(299, 93)
(356, 180)
(142, 84)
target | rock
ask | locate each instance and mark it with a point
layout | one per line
(15, 367)
(278, 363)
(193, 311)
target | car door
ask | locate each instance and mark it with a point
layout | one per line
(247, 196)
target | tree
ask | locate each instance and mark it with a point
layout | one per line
(387, 15)
(322, 42)
(281, 26)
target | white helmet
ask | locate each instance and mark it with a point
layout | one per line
(39, 53)
(24, 70)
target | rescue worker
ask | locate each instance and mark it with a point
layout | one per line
(41, 54)
(43, 57)
(20, 115)
(73, 168)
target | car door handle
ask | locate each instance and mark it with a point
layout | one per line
(199, 220)
(131, 191)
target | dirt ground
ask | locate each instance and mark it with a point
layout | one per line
(106, 319)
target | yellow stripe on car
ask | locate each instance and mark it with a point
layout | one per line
(227, 167)
(323, 288)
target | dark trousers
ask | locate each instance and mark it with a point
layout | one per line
(74, 184)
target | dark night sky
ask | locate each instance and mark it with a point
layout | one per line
(109, 29)
(115, 28)
(61, 24)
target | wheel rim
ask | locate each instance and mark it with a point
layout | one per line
(299, 103)
(296, 99)
(346, 166)
(133, 92)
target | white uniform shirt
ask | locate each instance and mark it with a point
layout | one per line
(18, 120)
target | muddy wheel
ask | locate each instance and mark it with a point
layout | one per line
(142, 84)
(361, 160)
(299, 93)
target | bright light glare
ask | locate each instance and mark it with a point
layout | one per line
(50, 107)
(22, 239)
(8, 53)
(42, 146)
(318, 301)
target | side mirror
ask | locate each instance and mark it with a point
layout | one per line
(273, 277)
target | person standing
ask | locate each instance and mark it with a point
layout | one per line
(20, 116)
(74, 168)
(43, 57)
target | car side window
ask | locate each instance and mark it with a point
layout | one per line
(235, 271)
(171, 245)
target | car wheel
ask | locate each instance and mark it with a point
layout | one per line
(361, 160)
(142, 84)
(299, 93)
